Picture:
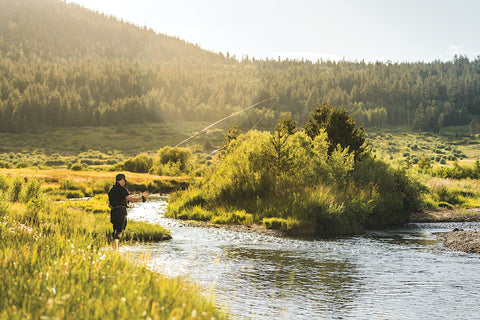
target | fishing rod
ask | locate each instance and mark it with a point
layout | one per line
(223, 119)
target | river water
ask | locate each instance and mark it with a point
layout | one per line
(401, 273)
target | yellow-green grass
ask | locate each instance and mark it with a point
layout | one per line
(56, 262)
(451, 193)
(405, 144)
(217, 216)
(89, 183)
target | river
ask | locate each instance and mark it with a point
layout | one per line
(401, 273)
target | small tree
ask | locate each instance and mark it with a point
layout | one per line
(424, 163)
(232, 134)
(285, 127)
(340, 128)
(474, 127)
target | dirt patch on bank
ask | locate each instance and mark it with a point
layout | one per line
(446, 215)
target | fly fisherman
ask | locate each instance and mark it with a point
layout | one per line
(118, 198)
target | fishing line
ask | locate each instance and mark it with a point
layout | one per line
(227, 117)
(256, 123)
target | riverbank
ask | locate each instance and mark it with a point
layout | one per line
(459, 240)
(445, 215)
(466, 241)
(424, 216)
(253, 228)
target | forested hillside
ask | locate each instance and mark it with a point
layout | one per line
(63, 65)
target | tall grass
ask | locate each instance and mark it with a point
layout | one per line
(451, 193)
(59, 265)
(61, 184)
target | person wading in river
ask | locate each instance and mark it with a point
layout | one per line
(118, 199)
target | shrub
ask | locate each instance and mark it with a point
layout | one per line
(101, 187)
(74, 194)
(22, 164)
(76, 167)
(68, 184)
(275, 223)
(445, 194)
(5, 164)
(141, 164)
(173, 155)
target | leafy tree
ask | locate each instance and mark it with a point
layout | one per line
(340, 128)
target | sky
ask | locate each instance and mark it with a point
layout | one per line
(354, 30)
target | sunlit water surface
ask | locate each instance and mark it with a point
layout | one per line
(402, 273)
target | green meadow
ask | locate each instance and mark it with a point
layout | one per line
(404, 144)
(112, 142)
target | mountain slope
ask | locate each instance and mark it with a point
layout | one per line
(63, 65)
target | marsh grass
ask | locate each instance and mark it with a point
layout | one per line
(59, 265)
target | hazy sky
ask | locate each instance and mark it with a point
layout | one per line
(399, 31)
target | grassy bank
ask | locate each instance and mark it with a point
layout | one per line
(61, 184)
(56, 262)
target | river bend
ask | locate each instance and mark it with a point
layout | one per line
(402, 273)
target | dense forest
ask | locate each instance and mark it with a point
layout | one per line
(63, 65)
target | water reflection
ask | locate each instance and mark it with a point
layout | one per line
(294, 280)
(391, 274)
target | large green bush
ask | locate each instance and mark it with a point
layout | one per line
(317, 188)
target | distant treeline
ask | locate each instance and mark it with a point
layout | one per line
(63, 65)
